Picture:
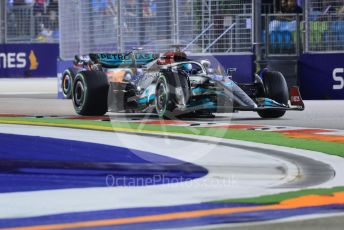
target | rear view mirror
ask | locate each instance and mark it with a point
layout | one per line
(205, 63)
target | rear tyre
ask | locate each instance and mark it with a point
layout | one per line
(276, 89)
(67, 83)
(90, 92)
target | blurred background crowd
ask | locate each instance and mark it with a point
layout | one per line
(282, 20)
(37, 19)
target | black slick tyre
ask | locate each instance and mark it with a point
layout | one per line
(164, 98)
(276, 89)
(90, 92)
(67, 83)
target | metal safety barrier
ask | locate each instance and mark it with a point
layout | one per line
(282, 34)
(31, 23)
(324, 26)
(118, 25)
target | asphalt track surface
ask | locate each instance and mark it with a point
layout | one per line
(40, 101)
(38, 97)
(318, 114)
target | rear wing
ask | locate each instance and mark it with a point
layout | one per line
(115, 60)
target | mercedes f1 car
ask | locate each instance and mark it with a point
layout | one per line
(171, 85)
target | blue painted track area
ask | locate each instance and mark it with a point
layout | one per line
(32, 163)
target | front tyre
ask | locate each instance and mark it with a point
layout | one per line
(276, 89)
(164, 102)
(67, 83)
(90, 92)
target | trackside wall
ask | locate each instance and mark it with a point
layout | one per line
(28, 60)
(321, 76)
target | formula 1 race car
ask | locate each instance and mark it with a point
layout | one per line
(170, 85)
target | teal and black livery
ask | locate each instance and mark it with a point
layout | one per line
(117, 60)
(172, 85)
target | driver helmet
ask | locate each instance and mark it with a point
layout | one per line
(187, 67)
(127, 76)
